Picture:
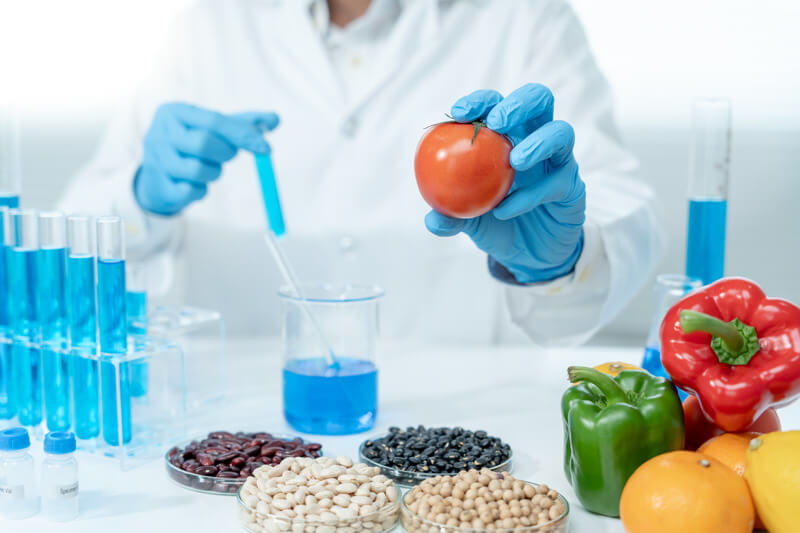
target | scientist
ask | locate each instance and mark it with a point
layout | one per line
(344, 89)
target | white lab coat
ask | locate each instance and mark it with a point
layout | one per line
(344, 166)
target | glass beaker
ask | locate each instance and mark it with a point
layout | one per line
(337, 396)
(669, 289)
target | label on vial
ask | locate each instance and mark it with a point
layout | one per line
(59, 492)
(16, 492)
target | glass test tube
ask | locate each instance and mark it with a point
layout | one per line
(82, 326)
(10, 173)
(25, 356)
(112, 324)
(8, 407)
(136, 301)
(51, 312)
(709, 171)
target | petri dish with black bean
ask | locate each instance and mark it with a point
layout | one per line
(417, 453)
(220, 462)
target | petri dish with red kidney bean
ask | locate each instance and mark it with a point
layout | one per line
(220, 462)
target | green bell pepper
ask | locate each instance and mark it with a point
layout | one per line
(611, 427)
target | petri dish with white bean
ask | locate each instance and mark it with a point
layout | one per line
(322, 495)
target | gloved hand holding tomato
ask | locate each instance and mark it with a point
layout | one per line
(535, 232)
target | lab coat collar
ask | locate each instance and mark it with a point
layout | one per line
(416, 26)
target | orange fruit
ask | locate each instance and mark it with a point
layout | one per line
(686, 492)
(730, 449)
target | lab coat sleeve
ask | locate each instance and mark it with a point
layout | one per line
(623, 239)
(105, 184)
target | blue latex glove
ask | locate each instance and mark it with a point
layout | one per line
(184, 151)
(536, 233)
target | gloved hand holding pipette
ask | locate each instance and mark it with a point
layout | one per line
(185, 148)
(536, 233)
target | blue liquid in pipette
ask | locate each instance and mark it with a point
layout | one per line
(325, 401)
(113, 326)
(705, 248)
(25, 361)
(8, 407)
(10, 200)
(83, 341)
(51, 312)
(137, 326)
(652, 363)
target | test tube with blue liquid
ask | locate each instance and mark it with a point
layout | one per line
(8, 407)
(83, 326)
(136, 303)
(10, 180)
(51, 312)
(709, 171)
(26, 364)
(112, 323)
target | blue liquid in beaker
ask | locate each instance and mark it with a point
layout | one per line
(83, 333)
(321, 400)
(51, 312)
(25, 361)
(113, 325)
(705, 243)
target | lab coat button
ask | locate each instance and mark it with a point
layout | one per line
(349, 127)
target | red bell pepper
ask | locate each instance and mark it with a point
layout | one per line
(735, 349)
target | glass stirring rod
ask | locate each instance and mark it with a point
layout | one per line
(276, 229)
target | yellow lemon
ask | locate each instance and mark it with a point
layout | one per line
(773, 473)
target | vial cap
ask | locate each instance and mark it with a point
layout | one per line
(14, 439)
(59, 442)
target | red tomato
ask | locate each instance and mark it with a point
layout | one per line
(460, 176)
(699, 429)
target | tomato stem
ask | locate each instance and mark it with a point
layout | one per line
(477, 125)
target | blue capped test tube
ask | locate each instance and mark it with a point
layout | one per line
(26, 364)
(82, 326)
(8, 407)
(51, 312)
(113, 329)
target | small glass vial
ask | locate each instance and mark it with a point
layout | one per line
(59, 477)
(18, 498)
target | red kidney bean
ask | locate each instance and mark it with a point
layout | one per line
(252, 451)
(228, 475)
(216, 450)
(297, 453)
(225, 457)
(220, 435)
(207, 471)
(205, 459)
(238, 461)
(270, 450)
(313, 446)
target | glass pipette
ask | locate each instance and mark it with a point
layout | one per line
(277, 229)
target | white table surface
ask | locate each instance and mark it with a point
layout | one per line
(511, 392)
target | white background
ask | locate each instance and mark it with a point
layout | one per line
(67, 64)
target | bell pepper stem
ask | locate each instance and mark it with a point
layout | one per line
(734, 342)
(692, 321)
(610, 388)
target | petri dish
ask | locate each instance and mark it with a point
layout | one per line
(414, 523)
(407, 479)
(380, 521)
(210, 484)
